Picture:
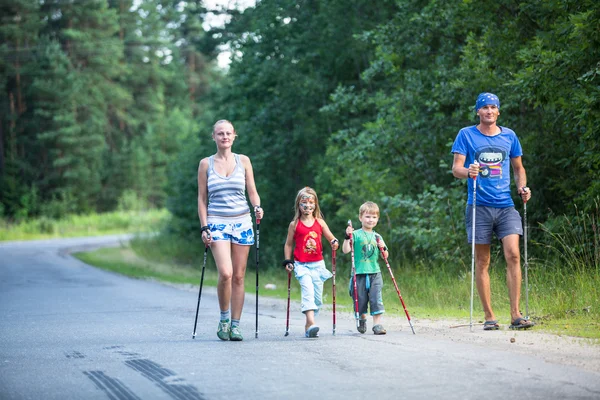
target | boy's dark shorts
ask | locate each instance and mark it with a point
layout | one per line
(489, 220)
(369, 287)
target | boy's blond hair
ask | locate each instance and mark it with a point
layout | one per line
(368, 207)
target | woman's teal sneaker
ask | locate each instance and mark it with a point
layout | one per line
(223, 330)
(235, 334)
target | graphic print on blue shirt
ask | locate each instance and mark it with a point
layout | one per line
(490, 161)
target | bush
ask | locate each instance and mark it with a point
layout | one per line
(61, 205)
(130, 201)
(428, 229)
(575, 239)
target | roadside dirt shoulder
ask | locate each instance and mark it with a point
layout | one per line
(564, 350)
(552, 348)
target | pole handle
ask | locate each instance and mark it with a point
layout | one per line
(524, 189)
(381, 249)
(469, 172)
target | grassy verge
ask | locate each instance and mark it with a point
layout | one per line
(123, 260)
(565, 304)
(84, 225)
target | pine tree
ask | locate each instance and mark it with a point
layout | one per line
(20, 24)
(83, 59)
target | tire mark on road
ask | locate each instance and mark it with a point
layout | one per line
(114, 388)
(165, 379)
(75, 354)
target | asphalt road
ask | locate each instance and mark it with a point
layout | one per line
(71, 331)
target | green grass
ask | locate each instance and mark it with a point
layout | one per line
(123, 260)
(84, 225)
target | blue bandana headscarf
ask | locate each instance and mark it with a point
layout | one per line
(485, 99)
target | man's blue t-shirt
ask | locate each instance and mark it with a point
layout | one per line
(493, 153)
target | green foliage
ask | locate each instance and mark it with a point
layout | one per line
(420, 88)
(183, 185)
(284, 67)
(60, 205)
(558, 79)
(130, 201)
(376, 120)
(109, 103)
(428, 229)
(94, 105)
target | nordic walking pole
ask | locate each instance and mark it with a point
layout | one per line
(525, 189)
(382, 250)
(473, 246)
(257, 247)
(287, 319)
(333, 290)
(356, 316)
(200, 292)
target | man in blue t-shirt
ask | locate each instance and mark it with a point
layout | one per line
(486, 152)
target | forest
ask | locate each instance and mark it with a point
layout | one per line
(106, 102)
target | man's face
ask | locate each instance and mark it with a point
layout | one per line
(307, 204)
(488, 114)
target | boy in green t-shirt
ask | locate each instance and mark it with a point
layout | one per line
(369, 282)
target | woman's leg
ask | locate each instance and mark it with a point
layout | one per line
(239, 258)
(221, 251)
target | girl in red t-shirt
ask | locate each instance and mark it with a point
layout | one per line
(304, 239)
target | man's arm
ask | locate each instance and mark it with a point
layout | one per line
(520, 178)
(458, 167)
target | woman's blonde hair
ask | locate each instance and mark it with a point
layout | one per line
(306, 191)
(223, 121)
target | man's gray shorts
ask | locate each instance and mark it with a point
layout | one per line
(369, 287)
(501, 221)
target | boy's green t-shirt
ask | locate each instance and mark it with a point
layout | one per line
(366, 252)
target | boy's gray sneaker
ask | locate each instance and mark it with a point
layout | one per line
(235, 335)
(362, 325)
(223, 330)
(379, 330)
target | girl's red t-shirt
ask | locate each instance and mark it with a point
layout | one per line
(308, 242)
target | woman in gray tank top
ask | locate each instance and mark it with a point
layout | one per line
(223, 180)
